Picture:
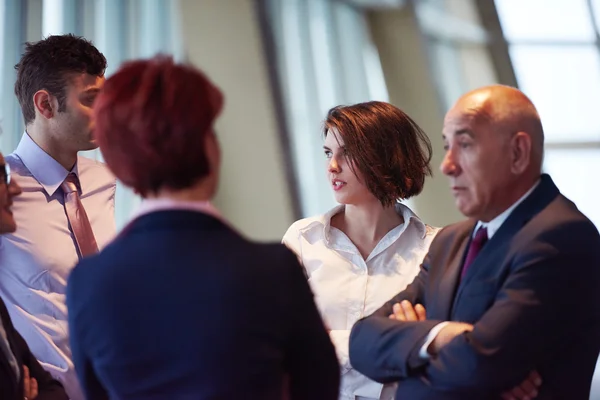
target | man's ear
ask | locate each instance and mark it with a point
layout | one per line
(520, 152)
(43, 103)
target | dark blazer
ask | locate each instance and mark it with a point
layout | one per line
(10, 387)
(180, 306)
(532, 294)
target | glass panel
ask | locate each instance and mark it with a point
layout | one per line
(564, 84)
(573, 171)
(2, 39)
(477, 67)
(547, 20)
(321, 41)
(445, 64)
(596, 11)
(11, 39)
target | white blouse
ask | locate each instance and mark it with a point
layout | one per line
(347, 287)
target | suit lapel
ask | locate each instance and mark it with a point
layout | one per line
(6, 370)
(489, 261)
(5, 367)
(451, 276)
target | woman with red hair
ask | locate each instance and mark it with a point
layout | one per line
(180, 306)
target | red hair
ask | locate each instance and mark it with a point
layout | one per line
(152, 118)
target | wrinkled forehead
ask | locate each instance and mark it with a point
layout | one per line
(457, 120)
(467, 115)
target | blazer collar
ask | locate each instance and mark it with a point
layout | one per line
(455, 251)
(174, 219)
(539, 199)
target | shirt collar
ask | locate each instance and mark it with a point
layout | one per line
(407, 215)
(45, 169)
(494, 224)
(148, 206)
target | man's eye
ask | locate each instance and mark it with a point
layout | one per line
(89, 100)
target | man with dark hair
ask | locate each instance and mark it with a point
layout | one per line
(66, 211)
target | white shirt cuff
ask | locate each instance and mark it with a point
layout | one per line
(423, 353)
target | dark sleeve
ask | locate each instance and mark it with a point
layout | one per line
(523, 324)
(311, 362)
(90, 385)
(387, 350)
(48, 387)
(556, 276)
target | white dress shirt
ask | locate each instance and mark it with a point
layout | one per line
(36, 260)
(347, 287)
(492, 227)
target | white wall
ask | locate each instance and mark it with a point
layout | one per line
(222, 37)
(412, 88)
(430, 57)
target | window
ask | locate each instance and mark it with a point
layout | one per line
(122, 30)
(324, 57)
(557, 64)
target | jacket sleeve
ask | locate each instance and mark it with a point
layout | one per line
(48, 387)
(91, 386)
(311, 360)
(520, 328)
(387, 350)
(533, 314)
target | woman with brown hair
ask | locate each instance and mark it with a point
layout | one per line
(361, 253)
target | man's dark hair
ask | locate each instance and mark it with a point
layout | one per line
(49, 64)
(389, 149)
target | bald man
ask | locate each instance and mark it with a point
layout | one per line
(508, 296)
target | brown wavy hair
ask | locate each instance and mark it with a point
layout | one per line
(389, 149)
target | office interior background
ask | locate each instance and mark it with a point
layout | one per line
(283, 63)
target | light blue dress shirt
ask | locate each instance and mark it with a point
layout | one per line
(36, 260)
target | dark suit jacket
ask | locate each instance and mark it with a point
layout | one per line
(180, 306)
(10, 387)
(532, 294)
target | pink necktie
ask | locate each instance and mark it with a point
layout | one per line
(78, 219)
(480, 239)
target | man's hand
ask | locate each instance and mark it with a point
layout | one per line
(405, 311)
(527, 390)
(31, 387)
(448, 332)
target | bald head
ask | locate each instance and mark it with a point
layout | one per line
(508, 111)
(494, 149)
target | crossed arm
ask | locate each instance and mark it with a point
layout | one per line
(528, 389)
(470, 357)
